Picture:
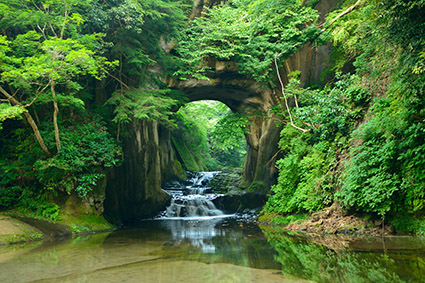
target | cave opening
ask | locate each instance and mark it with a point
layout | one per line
(210, 136)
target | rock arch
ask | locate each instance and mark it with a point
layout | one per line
(242, 94)
(133, 190)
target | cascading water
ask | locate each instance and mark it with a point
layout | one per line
(193, 200)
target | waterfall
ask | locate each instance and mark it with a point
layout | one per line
(193, 200)
(203, 179)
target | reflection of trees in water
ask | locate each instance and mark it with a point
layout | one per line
(307, 260)
(224, 240)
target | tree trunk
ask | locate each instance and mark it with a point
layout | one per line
(30, 120)
(55, 118)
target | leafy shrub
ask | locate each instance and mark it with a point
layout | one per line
(86, 183)
(9, 196)
(308, 175)
(304, 182)
(37, 204)
(84, 148)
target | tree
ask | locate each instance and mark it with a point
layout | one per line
(42, 57)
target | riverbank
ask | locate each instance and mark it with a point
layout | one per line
(331, 220)
(15, 229)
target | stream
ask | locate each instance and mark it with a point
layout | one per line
(193, 241)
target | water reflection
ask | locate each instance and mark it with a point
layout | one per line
(331, 259)
(210, 240)
(199, 233)
(215, 250)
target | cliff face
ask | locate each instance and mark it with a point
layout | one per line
(134, 189)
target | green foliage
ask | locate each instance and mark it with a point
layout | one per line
(278, 219)
(30, 184)
(9, 196)
(307, 172)
(248, 32)
(51, 52)
(191, 136)
(385, 173)
(229, 130)
(135, 32)
(227, 138)
(84, 148)
(210, 136)
(405, 222)
(404, 22)
(146, 104)
(36, 203)
(43, 57)
(9, 112)
(305, 181)
(86, 183)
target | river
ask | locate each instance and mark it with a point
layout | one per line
(183, 246)
(213, 250)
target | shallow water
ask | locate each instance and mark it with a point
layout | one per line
(214, 249)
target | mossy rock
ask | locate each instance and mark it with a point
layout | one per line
(86, 223)
(226, 182)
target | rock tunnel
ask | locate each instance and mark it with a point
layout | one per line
(133, 190)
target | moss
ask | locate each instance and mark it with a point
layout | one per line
(244, 185)
(187, 157)
(19, 238)
(274, 218)
(86, 223)
(178, 170)
(15, 231)
(257, 186)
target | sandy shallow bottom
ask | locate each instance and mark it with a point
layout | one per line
(102, 258)
(177, 271)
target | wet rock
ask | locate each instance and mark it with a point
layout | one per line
(233, 202)
(173, 185)
(225, 182)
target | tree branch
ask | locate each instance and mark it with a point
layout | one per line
(351, 8)
(120, 81)
(30, 121)
(286, 99)
(36, 97)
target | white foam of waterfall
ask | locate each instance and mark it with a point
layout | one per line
(192, 202)
(202, 179)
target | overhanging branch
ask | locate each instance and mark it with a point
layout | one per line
(286, 99)
(351, 8)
